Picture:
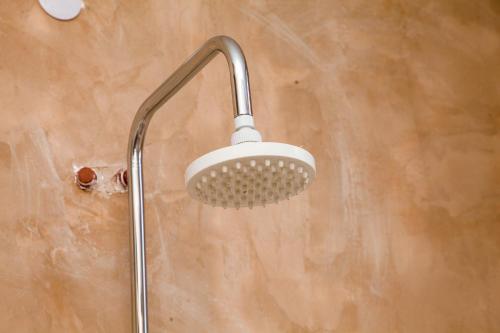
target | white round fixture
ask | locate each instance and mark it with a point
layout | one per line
(62, 9)
(250, 174)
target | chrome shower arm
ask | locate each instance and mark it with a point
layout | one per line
(240, 86)
(241, 106)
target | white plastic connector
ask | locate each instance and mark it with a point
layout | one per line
(245, 130)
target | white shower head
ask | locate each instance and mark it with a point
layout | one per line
(249, 173)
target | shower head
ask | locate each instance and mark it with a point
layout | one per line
(249, 172)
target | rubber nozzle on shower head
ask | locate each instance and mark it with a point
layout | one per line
(250, 174)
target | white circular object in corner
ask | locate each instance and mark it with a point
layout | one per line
(62, 9)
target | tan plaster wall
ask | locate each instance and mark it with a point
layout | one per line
(398, 100)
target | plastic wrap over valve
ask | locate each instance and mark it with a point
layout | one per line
(104, 179)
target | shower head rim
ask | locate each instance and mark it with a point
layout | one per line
(248, 150)
(276, 152)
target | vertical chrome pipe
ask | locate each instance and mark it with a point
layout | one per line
(241, 106)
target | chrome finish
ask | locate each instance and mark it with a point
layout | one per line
(241, 106)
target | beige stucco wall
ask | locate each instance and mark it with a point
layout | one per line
(398, 100)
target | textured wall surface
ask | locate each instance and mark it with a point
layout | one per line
(398, 100)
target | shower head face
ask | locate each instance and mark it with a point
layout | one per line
(250, 174)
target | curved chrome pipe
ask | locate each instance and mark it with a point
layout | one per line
(241, 106)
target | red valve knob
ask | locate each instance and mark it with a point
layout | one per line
(85, 178)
